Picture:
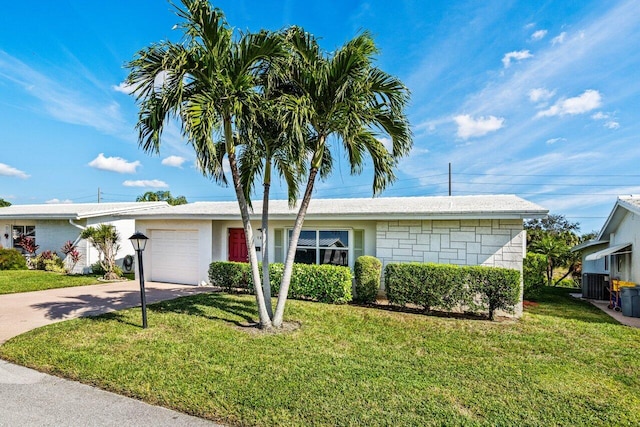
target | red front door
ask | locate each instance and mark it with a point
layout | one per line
(237, 245)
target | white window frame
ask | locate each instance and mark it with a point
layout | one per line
(14, 240)
(317, 247)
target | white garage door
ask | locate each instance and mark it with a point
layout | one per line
(174, 256)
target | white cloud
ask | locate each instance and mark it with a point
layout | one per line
(58, 201)
(114, 164)
(128, 89)
(610, 123)
(151, 183)
(589, 100)
(515, 55)
(540, 94)
(539, 34)
(175, 161)
(7, 170)
(554, 140)
(125, 88)
(559, 39)
(388, 144)
(469, 127)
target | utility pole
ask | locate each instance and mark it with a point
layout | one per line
(100, 193)
(449, 178)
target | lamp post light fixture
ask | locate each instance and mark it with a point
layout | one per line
(139, 242)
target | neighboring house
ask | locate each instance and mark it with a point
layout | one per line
(462, 230)
(610, 254)
(51, 225)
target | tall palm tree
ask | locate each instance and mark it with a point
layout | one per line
(209, 83)
(275, 146)
(345, 99)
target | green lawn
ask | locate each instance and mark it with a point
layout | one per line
(13, 281)
(564, 363)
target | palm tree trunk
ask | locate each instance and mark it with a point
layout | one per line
(266, 281)
(291, 253)
(264, 318)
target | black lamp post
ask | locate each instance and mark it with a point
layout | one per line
(139, 242)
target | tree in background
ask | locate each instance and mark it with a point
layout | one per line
(554, 236)
(105, 239)
(4, 203)
(162, 196)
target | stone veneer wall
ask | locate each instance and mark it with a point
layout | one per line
(496, 243)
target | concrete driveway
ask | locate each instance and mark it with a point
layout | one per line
(22, 312)
(32, 398)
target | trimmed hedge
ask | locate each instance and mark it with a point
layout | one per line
(230, 275)
(449, 286)
(323, 283)
(367, 270)
(12, 259)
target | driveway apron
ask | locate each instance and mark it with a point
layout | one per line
(22, 312)
(32, 398)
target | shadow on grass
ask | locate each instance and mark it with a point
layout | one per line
(194, 306)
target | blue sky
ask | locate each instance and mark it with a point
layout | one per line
(538, 99)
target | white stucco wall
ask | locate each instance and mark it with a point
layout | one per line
(627, 232)
(53, 234)
(596, 266)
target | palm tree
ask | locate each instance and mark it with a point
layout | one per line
(208, 82)
(343, 98)
(274, 146)
(555, 249)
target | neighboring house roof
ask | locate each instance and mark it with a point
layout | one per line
(445, 207)
(588, 244)
(75, 210)
(623, 205)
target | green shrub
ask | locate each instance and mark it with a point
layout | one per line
(498, 288)
(450, 286)
(534, 274)
(48, 261)
(12, 259)
(367, 271)
(426, 285)
(324, 283)
(98, 269)
(229, 275)
(568, 283)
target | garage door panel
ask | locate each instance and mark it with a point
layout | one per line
(174, 256)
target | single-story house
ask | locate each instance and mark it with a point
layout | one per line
(462, 230)
(185, 239)
(52, 225)
(610, 254)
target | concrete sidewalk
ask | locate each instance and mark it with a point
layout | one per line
(32, 398)
(22, 312)
(633, 322)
